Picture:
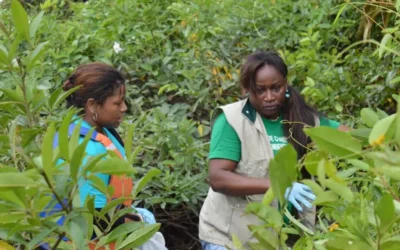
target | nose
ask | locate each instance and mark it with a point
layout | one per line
(124, 108)
(269, 96)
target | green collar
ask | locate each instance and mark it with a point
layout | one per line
(249, 111)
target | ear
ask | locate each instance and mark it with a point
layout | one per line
(91, 105)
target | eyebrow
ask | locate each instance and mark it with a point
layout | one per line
(263, 86)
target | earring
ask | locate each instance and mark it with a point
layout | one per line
(94, 116)
(287, 95)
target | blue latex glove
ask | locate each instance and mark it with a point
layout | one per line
(148, 217)
(298, 193)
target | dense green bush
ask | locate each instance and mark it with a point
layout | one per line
(182, 59)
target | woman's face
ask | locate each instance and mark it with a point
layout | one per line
(269, 97)
(111, 112)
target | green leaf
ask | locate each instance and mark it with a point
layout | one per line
(312, 160)
(76, 233)
(369, 117)
(340, 189)
(390, 171)
(98, 183)
(265, 237)
(139, 236)
(35, 25)
(35, 55)
(63, 135)
(113, 165)
(326, 198)
(398, 5)
(120, 231)
(283, 171)
(39, 238)
(4, 55)
(74, 138)
(382, 47)
(144, 180)
(317, 190)
(92, 161)
(382, 128)
(5, 246)
(47, 151)
(395, 80)
(236, 242)
(13, 95)
(268, 197)
(111, 205)
(361, 134)
(129, 139)
(335, 142)
(14, 195)
(385, 212)
(78, 156)
(359, 164)
(64, 95)
(340, 13)
(20, 19)
(134, 154)
(12, 180)
(14, 47)
(297, 223)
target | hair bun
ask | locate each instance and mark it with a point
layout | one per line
(68, 85)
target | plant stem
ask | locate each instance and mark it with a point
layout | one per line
(58, 241)
(65, 207)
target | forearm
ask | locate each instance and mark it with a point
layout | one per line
(233, 184)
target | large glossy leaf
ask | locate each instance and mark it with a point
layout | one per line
(4, 55)
(335, 142)
(312, 160)
(120, 231)
(78, 156)
(266, 237)
(369, 117)
(113, 165)
(35, 55)
(139, 236)
(20, 19)
(340, 189)
(63, 136)
(282, 171)
(386, 212)
(12, 180)
(35, 25)
(384, 128)
(144, 180)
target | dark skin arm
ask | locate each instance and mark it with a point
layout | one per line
(344, 128)
(224, 180)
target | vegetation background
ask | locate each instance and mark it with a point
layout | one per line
(182, 60)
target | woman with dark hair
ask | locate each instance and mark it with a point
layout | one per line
(101, 100)
(245, 137)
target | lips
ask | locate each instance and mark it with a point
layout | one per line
(270, 107)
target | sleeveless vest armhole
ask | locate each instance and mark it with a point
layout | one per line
(214, 115)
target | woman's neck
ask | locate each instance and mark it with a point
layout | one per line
(92, 123)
